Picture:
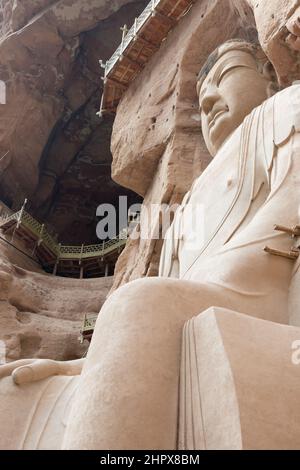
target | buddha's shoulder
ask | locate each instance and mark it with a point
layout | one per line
(292, 89)
(284, 109)
(288, 99)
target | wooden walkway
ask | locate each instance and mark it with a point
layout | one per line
(138, 46)
(84, 261)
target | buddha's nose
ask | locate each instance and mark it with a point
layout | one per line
(208, 101)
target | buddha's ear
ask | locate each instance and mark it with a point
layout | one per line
(270, 75)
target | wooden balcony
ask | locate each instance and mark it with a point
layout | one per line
(78, 261)
(138, 45)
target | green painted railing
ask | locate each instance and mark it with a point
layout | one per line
(89, 323)
(60, 251)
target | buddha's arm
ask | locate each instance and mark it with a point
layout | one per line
(168, 266)
(282, 205)
(286, 11)
(293, 25)
(169, 262)
(278, 31)
(33, 370)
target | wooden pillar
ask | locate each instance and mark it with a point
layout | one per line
(106, 270)
(80, 262)
(19, 220)
(124, 30)
(81, 272)
(57, 260)
(55, 268)
(40, 240)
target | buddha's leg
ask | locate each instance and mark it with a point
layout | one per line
(33, 370)
(34, 415)
(240, 380)
(35, 399)
(128, 391)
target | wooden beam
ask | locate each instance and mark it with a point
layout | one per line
(175, 6)
(293, 254)
(116, 83)
(109, 111)
(134, 63)
(293, 231)
(147, 42)
(184, 8)
(165, 18)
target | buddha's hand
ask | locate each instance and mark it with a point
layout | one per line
(293, 26)
(33, 370)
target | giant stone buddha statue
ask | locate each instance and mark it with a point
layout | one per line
(173, 357)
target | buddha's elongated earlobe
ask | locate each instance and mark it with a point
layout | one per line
(269, 74)
(272, 89)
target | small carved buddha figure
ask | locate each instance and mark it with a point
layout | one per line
(127, 394)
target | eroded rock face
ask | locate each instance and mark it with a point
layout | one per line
(58, 149)
(271, 19)
(41, 315)
(55, 151)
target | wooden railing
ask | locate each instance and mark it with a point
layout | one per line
(74, 252)
(137, 47)
(131, 35)
(89, 323)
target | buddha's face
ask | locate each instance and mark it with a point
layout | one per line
(231, 90)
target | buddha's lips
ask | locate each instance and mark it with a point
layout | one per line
(215, 117)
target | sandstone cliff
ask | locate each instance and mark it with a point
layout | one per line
(55, 151)
(56, 148)
(41, 315)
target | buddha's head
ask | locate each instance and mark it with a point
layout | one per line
(236, 78)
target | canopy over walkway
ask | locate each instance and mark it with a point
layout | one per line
(84, 261)
(138, 46)
(88, 326)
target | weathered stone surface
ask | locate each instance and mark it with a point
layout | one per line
(58, 149)
(41, 315)
(55, 151)
(271, 19)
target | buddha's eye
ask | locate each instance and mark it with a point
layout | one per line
(225, 72)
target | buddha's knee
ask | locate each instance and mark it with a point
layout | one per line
(145, 300)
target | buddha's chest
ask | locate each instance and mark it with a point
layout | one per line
(217, 203)
(213, 194)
